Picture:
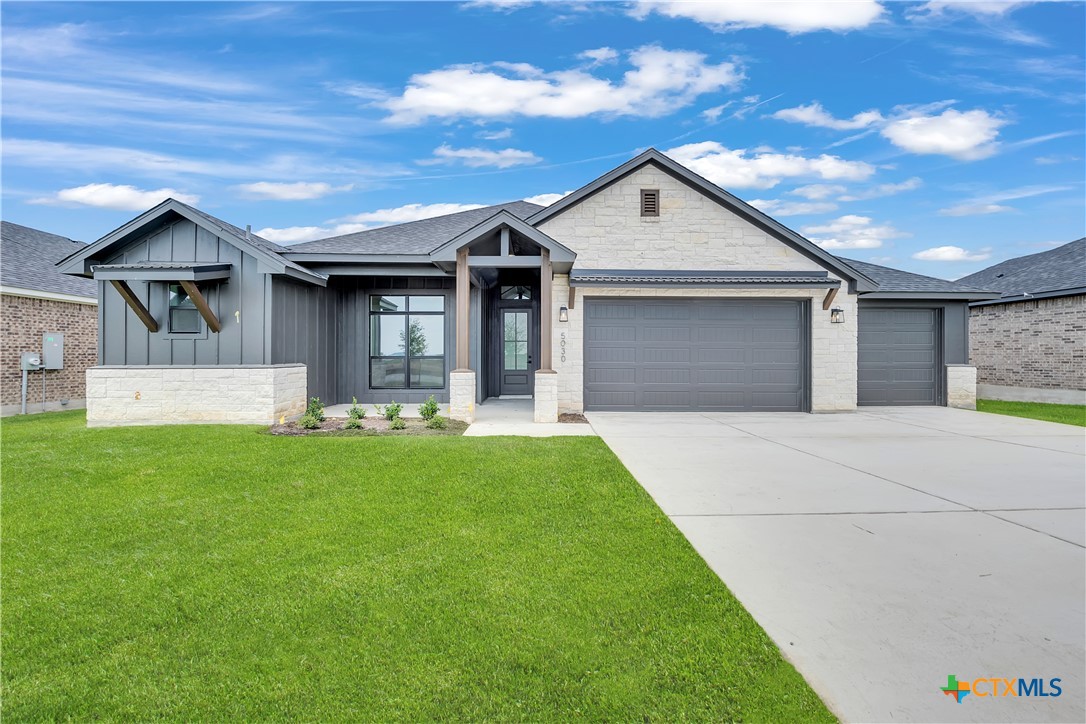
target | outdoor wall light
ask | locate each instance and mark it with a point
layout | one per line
(563, 314)
(837, 315)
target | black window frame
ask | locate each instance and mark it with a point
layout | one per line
(171, 295)
(406, 313)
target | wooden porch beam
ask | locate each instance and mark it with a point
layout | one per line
(133, 301)
(201, 305)
(463, 308)
(572, 296)
(546, 311)
(505, 241)
(829, 298)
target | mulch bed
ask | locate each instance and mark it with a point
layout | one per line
(337, 426)
(572, 417)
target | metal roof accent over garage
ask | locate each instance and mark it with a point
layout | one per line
(703, 278)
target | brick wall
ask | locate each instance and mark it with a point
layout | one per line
(22, 323)
(1039, 343)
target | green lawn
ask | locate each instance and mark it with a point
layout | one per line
(1068, 414)
(217, 573)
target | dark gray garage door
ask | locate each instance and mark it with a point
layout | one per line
(694, 354)
(899, 357)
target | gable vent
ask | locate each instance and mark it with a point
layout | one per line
(650, 202)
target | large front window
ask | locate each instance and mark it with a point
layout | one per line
(407, 342)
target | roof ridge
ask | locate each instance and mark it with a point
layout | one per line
(1067, 247)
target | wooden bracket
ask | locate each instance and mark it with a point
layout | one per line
(201, 304)
(572, 296)
(133, 301)
(829, 298)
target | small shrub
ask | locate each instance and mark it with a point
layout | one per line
(437, 422)
(309, 421)
(429, 408)
(356, 412)
(316, 409)
(393, 410)
(353, 423)
(397, 423)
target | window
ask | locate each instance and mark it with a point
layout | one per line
(650, 202)
(518, 292)
(184, 317)
(407, 342)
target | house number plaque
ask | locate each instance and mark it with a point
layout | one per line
(562, 344)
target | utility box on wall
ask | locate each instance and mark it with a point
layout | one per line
(52, 346)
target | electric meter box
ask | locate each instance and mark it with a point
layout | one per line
(52, 346)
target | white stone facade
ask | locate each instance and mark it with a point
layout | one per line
(462, 395)
(168, 395)
(961, 386)
(693, 232)
(546, 396)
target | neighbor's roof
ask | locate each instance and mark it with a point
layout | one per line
(895, 280)
(27, 259)
(1061, 268)
(414, 237)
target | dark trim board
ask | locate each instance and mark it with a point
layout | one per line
(701, 386)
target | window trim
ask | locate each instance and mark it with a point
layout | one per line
(653, 194)
(407, 357)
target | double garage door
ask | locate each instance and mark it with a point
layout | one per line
(899, 356)
(695, 354)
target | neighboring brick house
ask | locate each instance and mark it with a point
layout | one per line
(36, 298)
(1030, 344)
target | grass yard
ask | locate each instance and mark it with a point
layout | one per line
(1067, 414)
(217, 573)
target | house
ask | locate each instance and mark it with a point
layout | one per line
(1030, 343)
(38, 301)
(647, 289)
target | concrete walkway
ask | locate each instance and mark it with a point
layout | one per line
(514, 417)
(886, 549)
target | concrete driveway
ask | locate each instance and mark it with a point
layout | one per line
(886, 549)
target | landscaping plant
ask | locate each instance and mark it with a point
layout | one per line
(316, 409)
(437, 422)
(357, 412)
(397, 423)
(353, 423)
(310, 421)
(392, 411)
(429, 408)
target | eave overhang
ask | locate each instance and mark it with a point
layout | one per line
(161, 271)
(1026, 297)
(701, 279)
(954, 296)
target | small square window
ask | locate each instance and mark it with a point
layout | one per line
(517, 292)
(650, 202)
(184, 317)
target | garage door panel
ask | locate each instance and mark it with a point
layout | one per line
(898, 357)
(710, 354)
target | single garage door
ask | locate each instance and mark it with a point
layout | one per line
(899, 356)
(695, 354)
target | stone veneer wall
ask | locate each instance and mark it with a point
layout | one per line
(692, 232)
(961, 386)
(257, 394)
(1039, 343)
(23, 321)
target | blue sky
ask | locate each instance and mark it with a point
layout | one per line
(934, 137)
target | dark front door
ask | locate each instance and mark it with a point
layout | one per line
(516, 352)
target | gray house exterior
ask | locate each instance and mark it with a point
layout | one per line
(1030, 344)
(647, 289)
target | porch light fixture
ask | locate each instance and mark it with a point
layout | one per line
(837, 315)
(563, 314)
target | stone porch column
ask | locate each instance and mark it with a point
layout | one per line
(462, 379)
(546, 379)
(961, 386)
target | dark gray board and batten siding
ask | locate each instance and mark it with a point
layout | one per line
(696, 354)
(245, 338)
(303, 321)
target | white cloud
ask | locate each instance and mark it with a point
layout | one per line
(967, 136)
(480, 157)
(952, 253)
(110, 196)
(546, 199)
(297, 191)
(711, 114)
(296, 234)
(817, 192)
(735, 168)
(660, 82)
(813, 114)
(1054, 159)
(880, 190)
(980, 8)
(851, 232)
(408, 212)
(974, 209)
(778, 207)
(599, 55)
(791, 16)
(495, 135)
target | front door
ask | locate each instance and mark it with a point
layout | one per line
(516, 352)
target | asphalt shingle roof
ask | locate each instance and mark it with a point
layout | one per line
(1061, 268)
(895, 280)
(28, 257)
(414, 237)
